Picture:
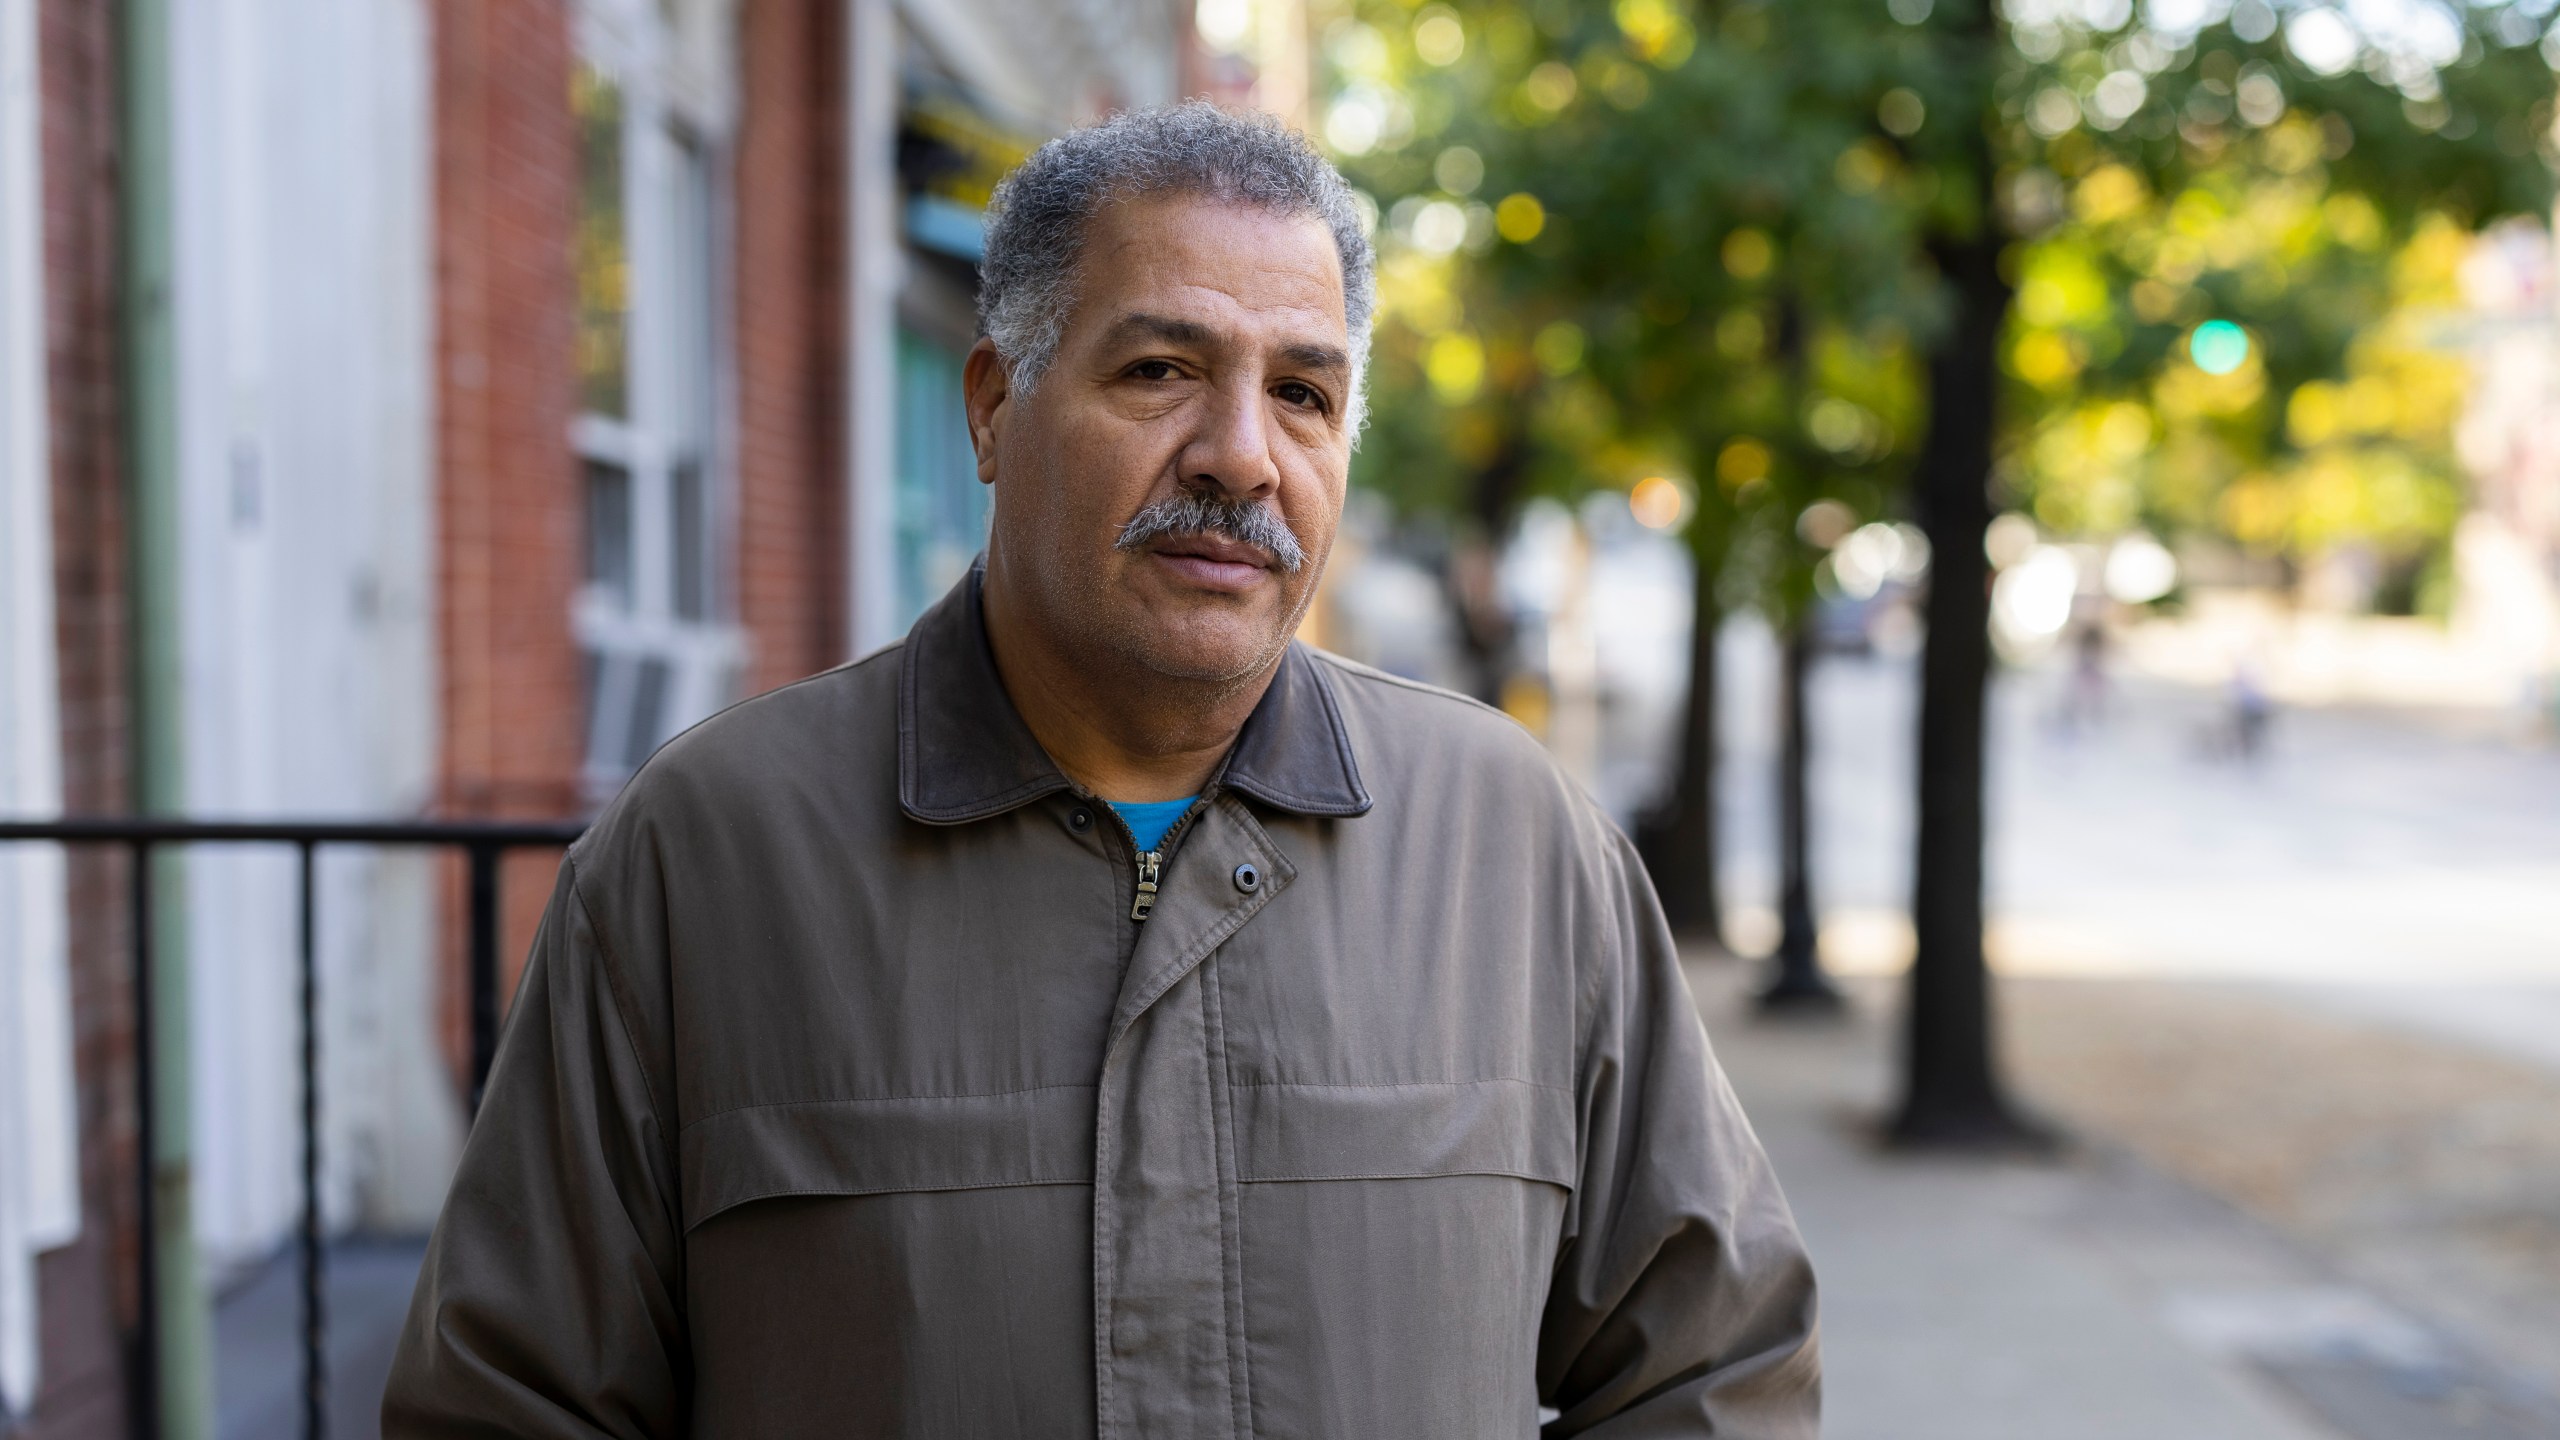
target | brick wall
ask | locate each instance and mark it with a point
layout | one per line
(507, 483)
(87, 1289)
(508, 480)
(790, 328)
(508, 517)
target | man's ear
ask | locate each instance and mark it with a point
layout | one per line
(986, 387)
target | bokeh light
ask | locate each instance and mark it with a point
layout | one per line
(2219, 347)
(2031, 601)
(2008, 539)
(1870, 556)
(1825, 523)
(1519, 218)
(2140, 570)
(1223, 24)
(1748, 253)
(1902, 111)
(1439, 37)
(1439, 227)
(1657, 502)
(1742, 461)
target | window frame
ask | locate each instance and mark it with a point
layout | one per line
(671, 67)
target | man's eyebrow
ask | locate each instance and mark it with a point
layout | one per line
(1306, 355)
(1139, 324)
(1300, 354)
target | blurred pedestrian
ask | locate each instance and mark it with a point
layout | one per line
(2084, 692)
(1101, 1015)
(2251, 709)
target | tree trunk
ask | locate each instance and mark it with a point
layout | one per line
(1484, 630)
(1678, 838)
(1952, 1094)
(1799, 984)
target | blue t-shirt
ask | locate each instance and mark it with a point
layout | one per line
(1149, 819)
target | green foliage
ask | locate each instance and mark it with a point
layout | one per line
(1695, 240)
(1680, 251)
(2164, 184)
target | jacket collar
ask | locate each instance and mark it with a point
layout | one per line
(964, 753)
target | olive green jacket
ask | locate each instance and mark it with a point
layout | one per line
(848, 1096)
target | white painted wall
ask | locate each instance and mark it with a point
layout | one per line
(39, 1174)
(303, 294)
(875, 265)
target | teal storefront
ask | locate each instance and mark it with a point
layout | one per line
(941, 507)
(950, 156)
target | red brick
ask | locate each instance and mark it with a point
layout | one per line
(790, 337)
(87, 1291)
(508, 506)
(507, 497)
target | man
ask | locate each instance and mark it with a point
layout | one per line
(1101, 1015)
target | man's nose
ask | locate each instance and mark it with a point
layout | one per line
(1231, 454)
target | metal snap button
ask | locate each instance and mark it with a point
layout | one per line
(1248, 878)
(1081, 820)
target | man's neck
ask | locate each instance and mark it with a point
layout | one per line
(1122, 731)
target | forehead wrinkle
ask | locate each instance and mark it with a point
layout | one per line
(1227, 314)
(1148, 260)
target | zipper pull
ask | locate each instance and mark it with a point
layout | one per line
(1150, 868)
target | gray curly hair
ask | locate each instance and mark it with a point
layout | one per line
(1036, 223)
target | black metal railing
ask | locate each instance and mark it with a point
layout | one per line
(483, 843)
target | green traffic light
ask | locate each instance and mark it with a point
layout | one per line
(2219, 347)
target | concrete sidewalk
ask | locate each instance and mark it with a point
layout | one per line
(2087, 1298)
(258, 1340)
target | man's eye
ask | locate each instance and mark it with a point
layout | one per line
(1296, 393)
(1153, 370)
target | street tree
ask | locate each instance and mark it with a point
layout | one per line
(2446, 121)
(1634, 247)
(2058, 257)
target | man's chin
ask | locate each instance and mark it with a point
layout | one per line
(1207, 648)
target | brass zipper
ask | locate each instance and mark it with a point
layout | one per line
(1150, 869)
(1151, 862)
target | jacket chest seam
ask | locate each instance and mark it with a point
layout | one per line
(1222, 1119)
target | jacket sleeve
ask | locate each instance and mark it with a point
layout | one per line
(549, 1306)
(1682, 1302)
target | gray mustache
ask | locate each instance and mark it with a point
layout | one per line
(1244, 521)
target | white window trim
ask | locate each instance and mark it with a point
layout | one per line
(39, 1183)
(670, 78)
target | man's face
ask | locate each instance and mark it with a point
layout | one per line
(1202, 381)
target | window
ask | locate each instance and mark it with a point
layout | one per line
(603, 249)
(654, 615)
